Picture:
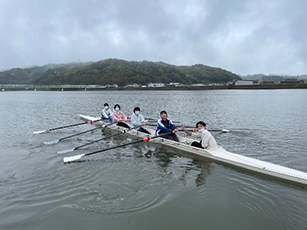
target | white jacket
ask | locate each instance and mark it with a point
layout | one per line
(106, 113)
(207, 140)
(137, 120)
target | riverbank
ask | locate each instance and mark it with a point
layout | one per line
(271, 86)
(215, 87)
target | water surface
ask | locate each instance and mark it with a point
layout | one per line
(148, 186)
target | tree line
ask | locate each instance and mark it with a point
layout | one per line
(116, 71)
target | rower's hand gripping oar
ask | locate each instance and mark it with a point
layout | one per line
(77, 157)
(112, 135)
(58, 140)
(66, 126)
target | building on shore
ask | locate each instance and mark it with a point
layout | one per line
(156, 85)
(291, 81)
(199, 84)
(172, 84)
(244, 82)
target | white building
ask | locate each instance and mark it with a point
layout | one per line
(199, 84)
(244, 82)
(156, 85)
(132, 86)
(174, 84)
(111, 86)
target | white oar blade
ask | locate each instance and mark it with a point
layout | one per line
(225, 131)
(66, 151)
(73, 158)
(51, 142)
(40, 132)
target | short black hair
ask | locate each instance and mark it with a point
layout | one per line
(106, 104)
(163, 111)
(136, 109)
(200, 123)
(117, 105)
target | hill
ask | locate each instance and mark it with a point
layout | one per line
(115, 71)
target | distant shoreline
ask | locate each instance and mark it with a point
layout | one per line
(229, 87)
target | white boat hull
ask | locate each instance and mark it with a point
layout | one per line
(220, 155)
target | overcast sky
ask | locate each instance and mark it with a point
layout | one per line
(242, 36)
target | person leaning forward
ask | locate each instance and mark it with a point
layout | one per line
(165, 125)
(207, 140)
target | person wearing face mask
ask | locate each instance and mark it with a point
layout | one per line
(119, 117)
(137, 119)
(165, 125)
(207, 140)
(106, 114)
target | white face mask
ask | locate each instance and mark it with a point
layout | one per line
(116, 108)
(137, 112)
(106, 107)
(201, 130)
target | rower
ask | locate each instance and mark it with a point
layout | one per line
(106, 114)
(166, 126)
(137, 119)
(119, 117)
(207, 140)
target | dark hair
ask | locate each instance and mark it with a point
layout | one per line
(117, 105)
(200, 123)
(163, 111)
(136, 109)
(106, 104)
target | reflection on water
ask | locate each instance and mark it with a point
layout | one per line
(205, 171)
(168, 158)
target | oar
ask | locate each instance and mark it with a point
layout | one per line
(63, 127)
(58, 140)
(211, 130)
(112, 135)
(153, 119)
(77, 157)
(195, 130)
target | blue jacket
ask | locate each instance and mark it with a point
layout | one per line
(165, 126)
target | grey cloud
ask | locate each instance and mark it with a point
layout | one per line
(245, 37)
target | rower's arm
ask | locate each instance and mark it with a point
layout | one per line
(186, 131)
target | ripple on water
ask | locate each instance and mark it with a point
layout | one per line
(115, 182)
(263, 196)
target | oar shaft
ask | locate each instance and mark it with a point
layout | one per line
(74, 158)
(118, 146)
(130, 143)
(63, 127)
(79, 133)
(152, 119)
(195, 130)
(112, 135)
(67, 126)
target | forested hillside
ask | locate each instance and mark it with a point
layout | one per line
(115, 71)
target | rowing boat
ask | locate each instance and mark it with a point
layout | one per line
(219, 155)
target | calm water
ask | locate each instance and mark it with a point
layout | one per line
(147, 186)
